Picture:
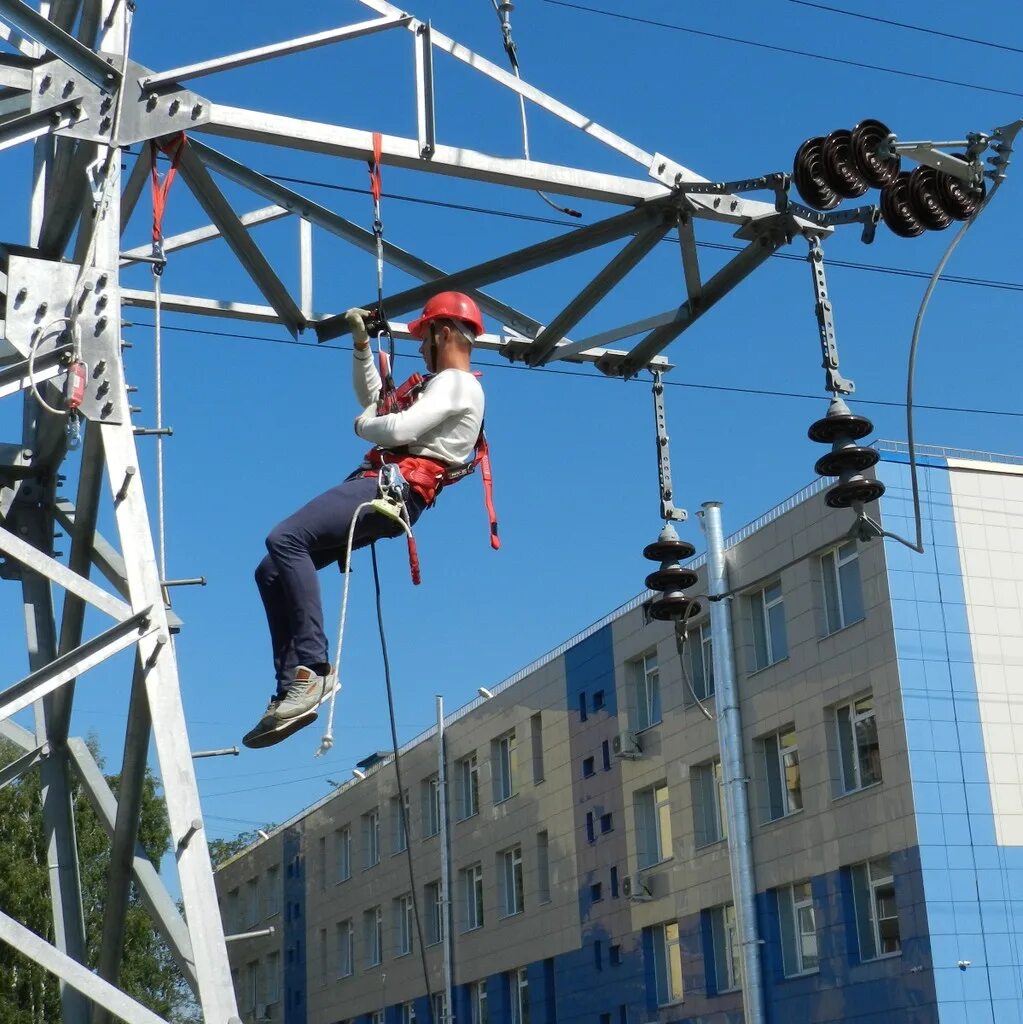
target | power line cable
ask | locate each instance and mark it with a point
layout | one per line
(550, 370)
(906, 25)
(784, 49)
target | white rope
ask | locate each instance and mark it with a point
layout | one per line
(328, 736)
(158, 357)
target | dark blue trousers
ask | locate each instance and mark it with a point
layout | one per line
(314, 537)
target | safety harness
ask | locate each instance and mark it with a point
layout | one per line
(426, 476)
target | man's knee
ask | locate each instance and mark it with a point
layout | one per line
(266, 572)
(281, 538)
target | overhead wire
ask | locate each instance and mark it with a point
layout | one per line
(912, 28)
(862, 65)
(552, 370)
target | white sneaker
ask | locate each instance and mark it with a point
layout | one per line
(306, 693)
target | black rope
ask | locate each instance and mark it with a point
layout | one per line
(401, 788)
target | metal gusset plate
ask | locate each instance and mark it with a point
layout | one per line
(38, 306)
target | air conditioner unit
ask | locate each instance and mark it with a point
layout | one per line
(626, 745)
(635, 889)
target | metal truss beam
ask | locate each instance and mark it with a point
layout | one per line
(24, 127)
(519, 262)
(261, 53)
(61, 670)
(207, 233)
(19, 766)
(151, 889)
(130, 790)
(545, 343)
(732, 273)
(335, 224)
(133, 187)
(16, 72)
(334, 140)
(74, 974)
(252, 259)
(510, 81)
(58, 573)
(75, 54)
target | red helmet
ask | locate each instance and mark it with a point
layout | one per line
(448, 306)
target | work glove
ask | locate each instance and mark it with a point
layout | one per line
(356, 319)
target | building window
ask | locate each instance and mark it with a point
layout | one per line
(667, 964)
(588, 767)
(371, 838)
(536, 744)
(646, 683)
(709, 816)
(399, 834)
(504, 756)
(468, 775)
(478, 1002)
(376, 1017)
(582, 707)
(877, 919)
(510, 873)
(543, 868)
(472, 889)
(251, 902)
(724, 932)
(273, 890)
(770, 643)
(272, 979)
(343, 854)
(373, 932)
(798, 929)
(431, 806)
(519, 996)
(251, 984)
(590, 833)
(345, 949)
(596, 892)
(781, 766)
(434, 913)
(321, 861)
(606, 823)
(598, 700)
(858, 749)
(653, 826)
(440, 1008)
(605, 753)
(403, 925)
(701, 665)
(614, 954)
(408, 1013)
(843, 589)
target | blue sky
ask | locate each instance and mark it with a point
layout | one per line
(261, 425)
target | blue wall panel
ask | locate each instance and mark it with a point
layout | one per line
(972, 886)
(295, 985)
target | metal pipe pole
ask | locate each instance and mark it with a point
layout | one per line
(445, 859)
(740, 846)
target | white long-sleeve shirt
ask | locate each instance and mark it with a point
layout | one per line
(443, 423)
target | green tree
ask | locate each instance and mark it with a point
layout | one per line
(29, 994)
(222, 850)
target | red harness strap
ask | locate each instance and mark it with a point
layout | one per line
(171, 147)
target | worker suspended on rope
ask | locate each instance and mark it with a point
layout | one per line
(429, 432)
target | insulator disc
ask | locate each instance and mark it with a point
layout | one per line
(924, 200)
(808, 174)
(672, 578)
(846, 460)
(897, 209)
(862, 491)
(864, 139)
(669, 551)
(831, 428)
(673, 607)
(957, 198)
(840, 170)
